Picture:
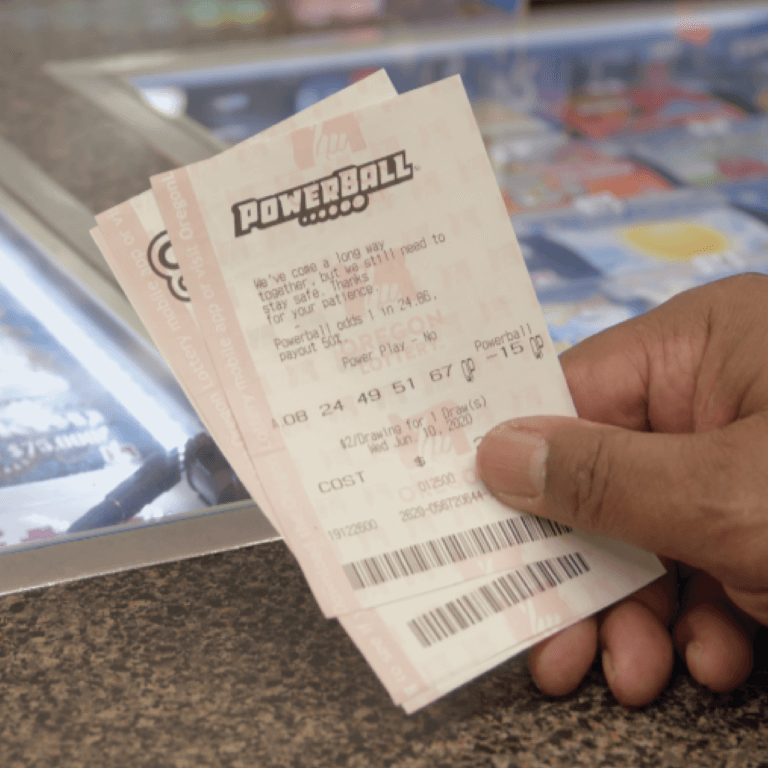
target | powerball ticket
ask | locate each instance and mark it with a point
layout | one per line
(135, 243)
(364, 298)
(425, 646)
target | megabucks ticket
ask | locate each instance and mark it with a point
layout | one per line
(365, 352)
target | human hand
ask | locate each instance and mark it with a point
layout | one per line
(670, 453)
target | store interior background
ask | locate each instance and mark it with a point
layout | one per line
(225, 659)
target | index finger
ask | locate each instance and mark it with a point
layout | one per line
(608, 375)
(692, 363)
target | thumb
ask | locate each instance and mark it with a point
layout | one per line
(670, 494)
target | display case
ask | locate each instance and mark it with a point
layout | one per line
(103, 463)
(630, 147)
(626, 142)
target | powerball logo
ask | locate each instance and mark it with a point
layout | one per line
(343, 192)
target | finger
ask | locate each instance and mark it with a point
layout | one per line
(753, 603)
(715, 645)
(660, 597)
(608, 375)
(559, 663)
(697, 498)
(692, 364)
(637, 653)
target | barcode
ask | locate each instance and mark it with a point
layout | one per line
(437, 553)
(504, 592)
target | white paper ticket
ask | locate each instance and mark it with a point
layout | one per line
(422, 645)
(362, 294)
(134, 241)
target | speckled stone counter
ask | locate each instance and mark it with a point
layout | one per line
(226, 660)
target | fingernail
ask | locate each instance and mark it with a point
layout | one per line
(512, 462)
(694, 656)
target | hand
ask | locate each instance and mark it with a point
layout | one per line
(670, 454)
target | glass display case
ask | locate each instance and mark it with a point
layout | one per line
(103, 463)
(633, 144)
(84, 410)
(631, 152)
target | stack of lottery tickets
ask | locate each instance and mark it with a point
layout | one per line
(345, 304)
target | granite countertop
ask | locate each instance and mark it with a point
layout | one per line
(226, 660)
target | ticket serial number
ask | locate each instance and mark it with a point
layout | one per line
(353, 529)
(441, 505)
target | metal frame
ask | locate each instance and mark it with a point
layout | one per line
(106, 83)
(57, 222)
(69, 558)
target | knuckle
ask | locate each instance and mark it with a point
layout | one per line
(725, 484)
(751, 281)
(591, 482)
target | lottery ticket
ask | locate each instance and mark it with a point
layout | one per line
(453, 681)
(519, 604)
(708, 153)
(696, 228)
(424, 643)
(145, 268)
(435, 637)
(134, 241)
(362, 294)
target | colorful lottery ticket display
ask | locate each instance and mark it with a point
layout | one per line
(356, 298)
